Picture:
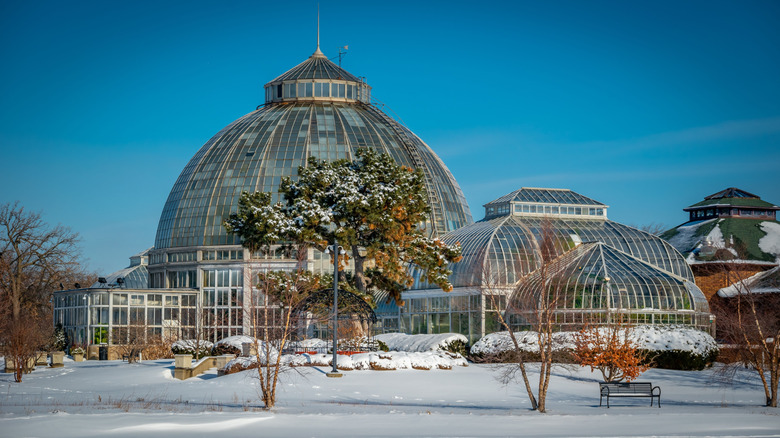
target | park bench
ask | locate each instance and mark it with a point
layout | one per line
(629, 389)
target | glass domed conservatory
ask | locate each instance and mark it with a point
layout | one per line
(601, 268)
(316, 109)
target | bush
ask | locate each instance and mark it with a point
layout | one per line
(188, 347)
(221, 349)
(456, 346)
(382, 346)
(157, 348)
(680, 360)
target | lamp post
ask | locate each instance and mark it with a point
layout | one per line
(609, 301)
(86, 318)
(334, 372)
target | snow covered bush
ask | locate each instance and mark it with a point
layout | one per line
(672, 347)
(498, 347)
(189, 346)
(232, 345)
(452, 342)
(676, 347)
(377, 361)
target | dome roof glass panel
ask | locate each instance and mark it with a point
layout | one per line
(256, 151)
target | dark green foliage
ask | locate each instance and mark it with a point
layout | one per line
(382, 346)
(372, 206)
(59, 339)
(680, 360)
(457, 346)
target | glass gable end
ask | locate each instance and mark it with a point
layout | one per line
(595, 283)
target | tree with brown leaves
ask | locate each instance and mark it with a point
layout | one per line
(34, 259)
(610, 350)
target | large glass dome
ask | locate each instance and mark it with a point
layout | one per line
(315, 109)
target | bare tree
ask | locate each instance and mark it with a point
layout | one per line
(532, 304)
(34, 259)
(274, 319)
(749, 322)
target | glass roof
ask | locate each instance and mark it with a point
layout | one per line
(597, 276)
(546, 196)
(317, 66)
(256, 151)
(134, 277)
(502, 250)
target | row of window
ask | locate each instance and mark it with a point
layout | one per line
(192, 256)
(545, 209)
(711, 212)
(317, 89)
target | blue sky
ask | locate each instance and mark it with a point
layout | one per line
(645, 106)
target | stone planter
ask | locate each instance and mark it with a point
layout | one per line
(182, 366)
(10, 365)
(78, 357)
(57, 359)
(41, 358)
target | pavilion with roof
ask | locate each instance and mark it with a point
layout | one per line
(732, 202)
(732, 230)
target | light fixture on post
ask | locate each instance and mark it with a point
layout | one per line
(609, 301)
(336, 251)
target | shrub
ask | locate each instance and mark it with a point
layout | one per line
(157, 348)
(221, 349)
(456, 346)
(77, 350)
(188, 347)
(680, 359)
(382, 346)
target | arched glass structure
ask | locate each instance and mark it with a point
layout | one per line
(502, 254)
(595, 283)
(315, 109)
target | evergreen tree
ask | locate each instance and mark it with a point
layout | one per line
(374, 208)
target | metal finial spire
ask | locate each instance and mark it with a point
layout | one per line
(318, 53)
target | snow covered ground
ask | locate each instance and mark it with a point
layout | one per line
(113, 398)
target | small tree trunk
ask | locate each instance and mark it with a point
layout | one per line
(360, 276)
(773, 376)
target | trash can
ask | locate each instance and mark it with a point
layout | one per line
(103, 353)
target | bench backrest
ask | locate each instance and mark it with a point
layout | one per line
(627, 387)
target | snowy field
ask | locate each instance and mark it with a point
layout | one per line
(112, 398)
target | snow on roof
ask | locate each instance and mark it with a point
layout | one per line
(687, 238)
(763, 282)
(770, 243)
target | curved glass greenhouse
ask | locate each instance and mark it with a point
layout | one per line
(601, 268)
